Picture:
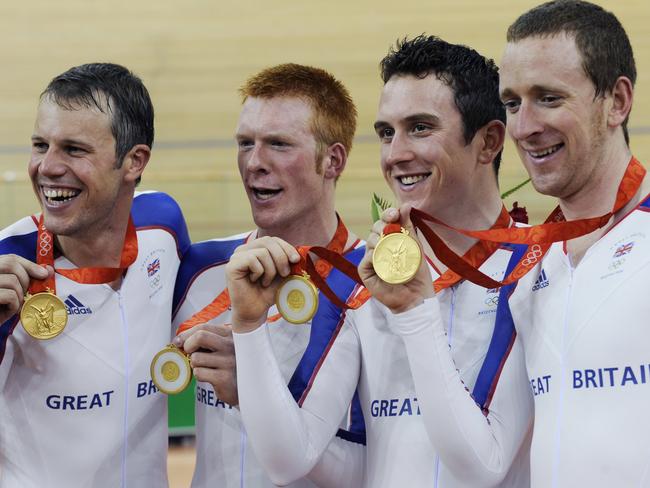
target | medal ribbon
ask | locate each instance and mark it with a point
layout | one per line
(222, 301)
(539, 238)
(89, 276)
(332, 260)
(476, 256)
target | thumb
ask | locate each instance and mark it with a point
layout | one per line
(405, 218)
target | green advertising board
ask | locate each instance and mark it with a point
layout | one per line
(181, 412)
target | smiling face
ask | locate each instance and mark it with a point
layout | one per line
(554, 119)
(424, 157)
(73, 170)
(277, 162)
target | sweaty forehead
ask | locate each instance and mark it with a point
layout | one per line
(403, 96)
(55, 120)
(277, 114)
(541, 61)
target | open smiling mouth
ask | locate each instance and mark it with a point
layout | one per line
(265, 193)
(546, 152)
(56, 197)
(411, 180)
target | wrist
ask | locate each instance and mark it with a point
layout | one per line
(243, 325)
(405, 307)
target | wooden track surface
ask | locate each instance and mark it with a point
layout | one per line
(194, 54)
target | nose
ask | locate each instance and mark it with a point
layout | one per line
(525, 122)
(399, 149)
(51, 164)
(254, 160)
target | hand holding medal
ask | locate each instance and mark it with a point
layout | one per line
(393, 270)
(16, 273)
(43, 314)
(253, 271)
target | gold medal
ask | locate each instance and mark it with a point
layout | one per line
(170, 370)
(396, 257)
(43, 315)
(297, 299)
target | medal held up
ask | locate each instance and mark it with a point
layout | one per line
(43, 314)
(297, 296)
(397, 256)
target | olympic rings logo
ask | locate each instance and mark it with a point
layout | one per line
(492, 301)
(533, 255)
(45, 245)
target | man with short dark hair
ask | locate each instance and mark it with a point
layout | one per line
(294, 135)
(100, 261)
(440, 124)
(567, 82)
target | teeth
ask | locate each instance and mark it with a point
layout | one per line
(410, 180)
(265, 194)
(545, 152)
(59, 195)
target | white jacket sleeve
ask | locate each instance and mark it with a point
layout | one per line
(341, 465)
(289, 440)
(476, 448)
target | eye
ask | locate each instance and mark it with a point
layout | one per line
(244, 144)
(279, 144)
(386, 133)
(511, 106)
(420, 127)
(75, 150)
(40, 147)
(550, 100)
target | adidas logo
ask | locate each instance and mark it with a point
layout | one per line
(75, 307)
(542, 281)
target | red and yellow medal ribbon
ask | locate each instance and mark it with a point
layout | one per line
(476, 256)
(88, 275)
(539, 238)
(321, 269)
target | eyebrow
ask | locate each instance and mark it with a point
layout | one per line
(64, 142)
(419, 117)
(507, 92)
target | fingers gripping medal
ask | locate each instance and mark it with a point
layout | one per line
(43, 314)
(397, 256)
(170, 370)
(297, 296)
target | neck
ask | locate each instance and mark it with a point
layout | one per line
(474, 211)
(99, 246)
(314, 229)
(598, 195)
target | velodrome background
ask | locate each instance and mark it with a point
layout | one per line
(194, 54)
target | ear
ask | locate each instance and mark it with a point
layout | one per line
(135, 162)
(334, 161)
(491, 137)
(622, 97)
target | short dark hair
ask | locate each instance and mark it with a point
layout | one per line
(112, 89)
(473, 79)
(599, 36)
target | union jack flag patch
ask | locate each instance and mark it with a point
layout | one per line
(624, 249)
(154, 267)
